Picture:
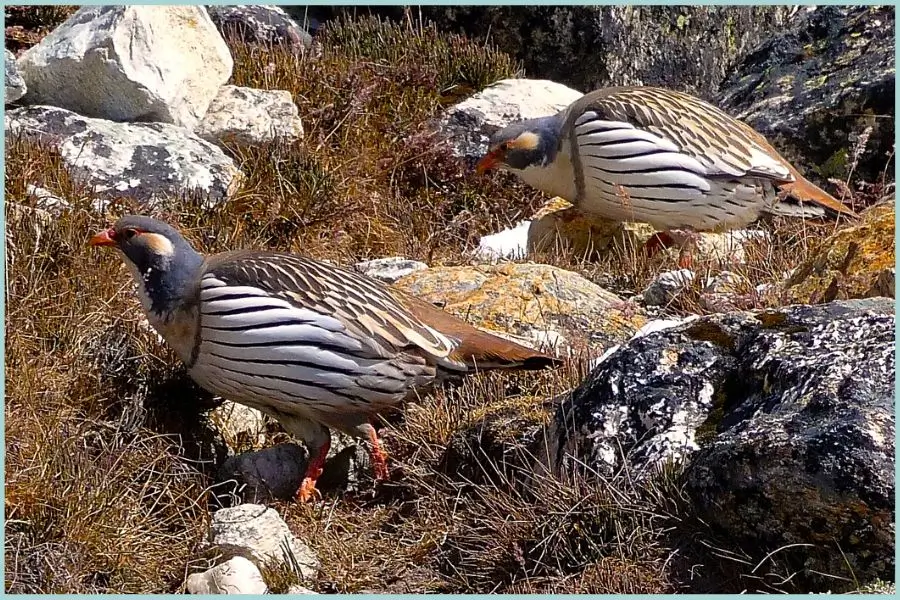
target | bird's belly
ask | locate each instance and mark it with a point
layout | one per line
(722, 205)
(283, 380)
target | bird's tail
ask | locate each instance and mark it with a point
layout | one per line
(479, 349)
(802, 198)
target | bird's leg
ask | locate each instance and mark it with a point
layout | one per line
(658, 242)
(685, 239)
(379, 458)
(688, 248)
(314, 470)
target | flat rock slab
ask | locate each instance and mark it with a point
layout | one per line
(130, 63)
(145, 161)
(251, 116)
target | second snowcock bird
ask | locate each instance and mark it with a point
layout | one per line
(657, 156)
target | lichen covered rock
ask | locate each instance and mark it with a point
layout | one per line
(533, 301)
(854, 262)
(814, 88)
(784, 419)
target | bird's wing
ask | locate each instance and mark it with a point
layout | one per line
(286, 297)
(653, 131)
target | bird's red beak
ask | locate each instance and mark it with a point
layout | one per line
(104, 238)
(488, 161)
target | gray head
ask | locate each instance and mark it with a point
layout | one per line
(529, 143)
(160, 258)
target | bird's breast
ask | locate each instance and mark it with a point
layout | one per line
(556, 179)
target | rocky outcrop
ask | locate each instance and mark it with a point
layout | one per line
(130, 63)
(144, 161)
(853, 262)
(15, 85)
(815, 89)
(784, 419)
(541, 304)
(264, 25)
(689, 48)
(251, 116)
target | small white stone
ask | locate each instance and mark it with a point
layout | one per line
(390, 269)
(259, 534)
(235, 576)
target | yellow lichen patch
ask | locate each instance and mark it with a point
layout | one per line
(854, 262)
(520, 298)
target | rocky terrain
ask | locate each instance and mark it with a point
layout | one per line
(728, 428)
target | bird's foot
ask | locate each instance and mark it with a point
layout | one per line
(308, 491)
(686, 240)
(379, 458)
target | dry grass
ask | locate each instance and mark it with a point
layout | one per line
(108, 445)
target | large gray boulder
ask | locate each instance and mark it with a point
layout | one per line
(144, 161)
(784, 419)
(130, 63)
(815, 87)
(259, 24)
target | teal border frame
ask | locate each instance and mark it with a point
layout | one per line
(394, 3)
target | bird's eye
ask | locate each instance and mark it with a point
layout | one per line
(130, 233)
(504, 146)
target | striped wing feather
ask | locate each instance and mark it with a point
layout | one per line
(364, 314)
(667, 129)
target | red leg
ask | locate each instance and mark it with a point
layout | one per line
(379, 458)
(658, 242)
(313, 471)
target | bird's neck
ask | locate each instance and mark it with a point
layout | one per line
(164, 284)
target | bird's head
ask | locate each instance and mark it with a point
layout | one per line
(516, 147)
(157, 254)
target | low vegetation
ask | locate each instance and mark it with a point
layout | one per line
(110, 456)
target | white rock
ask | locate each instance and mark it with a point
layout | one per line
(389, 269)
(666, 286)
(251, 116)
(299, 589)
(470, 123)
(130, 63)
(510, 100)
(510, 243)
(146, 161)
(47, 200)
(235, 576)
(259, 534)
(15, 85)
